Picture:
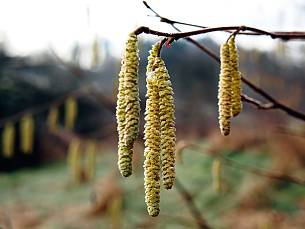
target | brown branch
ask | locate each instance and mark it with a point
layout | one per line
(276, 104)
(257, 103)
(187, 197)
(179, 35)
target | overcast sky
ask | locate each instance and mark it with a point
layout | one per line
(35, 25)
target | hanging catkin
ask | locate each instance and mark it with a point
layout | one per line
(167, 120)
(152, 55)
(90, 156)
(225, 91)
(74, 159)
(152, 138)
(131, 91)
(236, 78)
(8, 139)
(70, 112)
(52, 118)
(128, 106)
(216, 175)
(27, 133)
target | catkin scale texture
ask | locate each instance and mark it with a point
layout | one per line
(8, 139)
(167, 122)
(131, 91)
(225, 91)
(236, 78)
(128, 105)
(152, 137)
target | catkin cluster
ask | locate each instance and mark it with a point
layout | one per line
(229, 87)
(128, 105)
(159, 133)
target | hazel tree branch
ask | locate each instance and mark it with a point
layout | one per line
(274, 104)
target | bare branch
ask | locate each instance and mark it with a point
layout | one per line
(276, 104)
(187, 197)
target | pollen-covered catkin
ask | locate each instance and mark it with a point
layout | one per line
(70, 112)
(131, 91)
(236, 78)
(128, 106)
(216, 174)
(152, 137)
(225, 91)
(167, 121)
(8, 139)
(152, 55)
(27, 133)
(52, 118)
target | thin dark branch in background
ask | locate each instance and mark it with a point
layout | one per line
(276, 103)
(264, 173)
(187, 197)
(257, 171)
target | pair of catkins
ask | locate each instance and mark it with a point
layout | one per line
(229, 87)
(159, 128)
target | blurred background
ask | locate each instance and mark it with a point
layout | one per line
(59, 64)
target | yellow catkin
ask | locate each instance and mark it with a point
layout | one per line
(115, 211)
(128, 106)
(236, 79)
(27, 126)
(152, 138)
(216, 175)
(74, 159)
(70, 112)
(90, 159)
(167, 120)
(225, 91)
(8, 139)
(152, 55)
(52, 119)
(131, 91)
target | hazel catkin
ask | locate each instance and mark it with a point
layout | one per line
(152, 137)
(216, 175)
(70, 112)
(225, 91)
(27, 127)
(128, 106)
(236, 79)
(131, 91)
(8, 139)
(74, 160)
(167, 122)
(52, 118)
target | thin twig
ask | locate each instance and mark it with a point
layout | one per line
(276, 103)
(187, 197)
(257, 171)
